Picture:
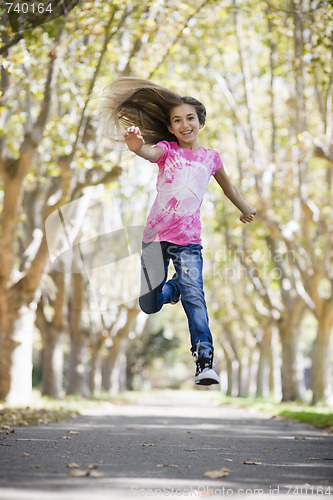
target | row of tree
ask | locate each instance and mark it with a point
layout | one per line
(264, 70)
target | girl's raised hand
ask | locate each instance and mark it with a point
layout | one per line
(134, 139)
(248, 217)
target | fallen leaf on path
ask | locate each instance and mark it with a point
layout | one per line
(213, 474)
(148, 444)
(96, 473)
(78, 473)
(92, 466)
(86, 472)
(72, 465)
(251, 462)
(72, 432)
(10, 431)
(167, 465)
(300, 438)
(43, 421)
(34, 466)
(25, 454)
(228, 459)
(313, 458)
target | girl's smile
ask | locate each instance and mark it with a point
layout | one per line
(184, 124)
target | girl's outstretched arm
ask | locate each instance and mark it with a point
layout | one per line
(136, 143)
(234, 196)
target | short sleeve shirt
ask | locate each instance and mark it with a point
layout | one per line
(182, 180)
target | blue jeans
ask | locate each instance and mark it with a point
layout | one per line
(188, 282)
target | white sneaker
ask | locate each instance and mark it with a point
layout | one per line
(206, 373)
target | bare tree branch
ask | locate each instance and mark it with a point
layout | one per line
(110, 176)
(4, 49)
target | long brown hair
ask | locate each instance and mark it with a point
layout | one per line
(133, 101)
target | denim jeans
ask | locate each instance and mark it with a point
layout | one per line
(156, 291)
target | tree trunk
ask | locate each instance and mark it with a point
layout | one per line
(16, 333)
(77, 370)
(264, 365)
(230, 378)
(321, 375)
(118, 377)
(110, 363)
(52, 362)
(18, 300)
(275, 387)
(106, 375)
(52, 332)
(229, 372)
(292, 373)
(95, 375)
(244, 376)
(109, 382)
(7, 345)
(78, 358)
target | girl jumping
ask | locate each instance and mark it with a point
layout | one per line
(162, 127)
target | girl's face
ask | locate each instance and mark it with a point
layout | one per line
(184, 124)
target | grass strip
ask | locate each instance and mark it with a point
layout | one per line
(318, 416)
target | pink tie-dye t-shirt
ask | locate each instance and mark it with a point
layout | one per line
(181, 184)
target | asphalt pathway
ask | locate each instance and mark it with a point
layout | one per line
(172, 444)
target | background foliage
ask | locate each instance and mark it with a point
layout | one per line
(264, 71)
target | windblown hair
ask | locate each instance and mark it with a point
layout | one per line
(132, 101)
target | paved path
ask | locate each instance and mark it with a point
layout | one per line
(163, 446)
